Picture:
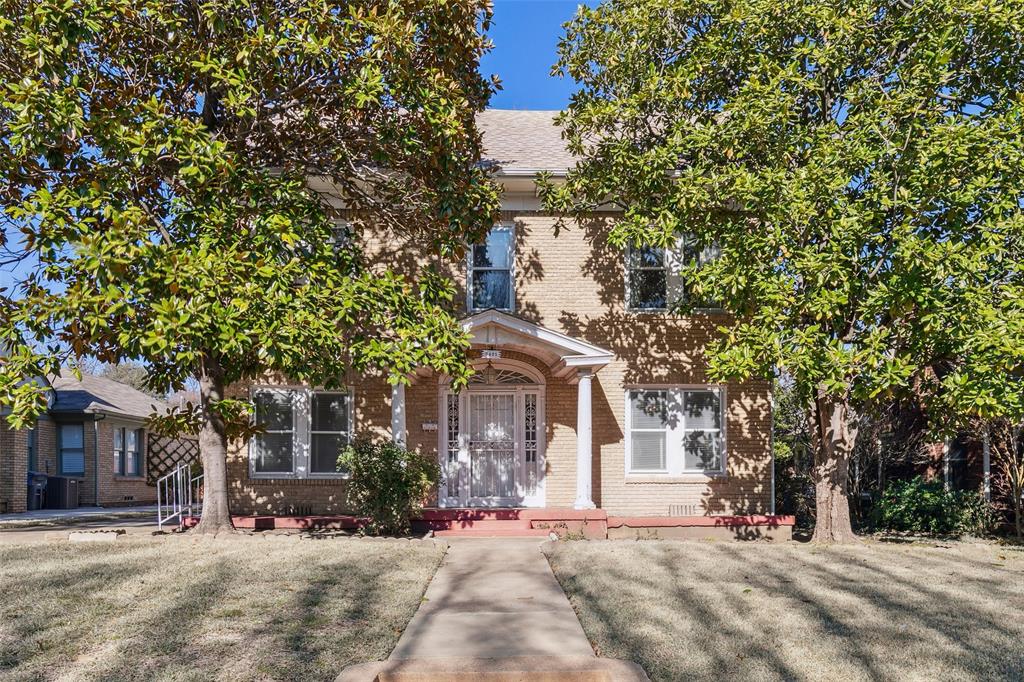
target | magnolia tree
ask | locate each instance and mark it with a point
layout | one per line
(156, 168)
(860, 166)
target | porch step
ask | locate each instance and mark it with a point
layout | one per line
(473, 514)
(470, 524)
(492, 533)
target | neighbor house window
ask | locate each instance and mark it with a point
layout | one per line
(489, 279)
(32, 448)
(303, 432)
(653, 279)
(128, 451)
(71, 449)
(675, 431)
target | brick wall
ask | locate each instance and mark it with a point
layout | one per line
(572, 283)
(13, 467)
(116, 489)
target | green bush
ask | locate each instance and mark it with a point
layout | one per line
(388, 484)
(920, 507)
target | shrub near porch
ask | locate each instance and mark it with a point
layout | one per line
(754, 611)
(196, 609)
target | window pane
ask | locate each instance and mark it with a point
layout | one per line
(703, 410)
(272, 452)
(647, 289)
(274, 410)
(132, 463)
(703, 450)
(650, 409)
(72, 436)
(118, 439)
(648, 450)
(72, 461)
(133, 440)
(646, 257)
(491, 289)
(324, 450)
(496, 252)
(330, 412)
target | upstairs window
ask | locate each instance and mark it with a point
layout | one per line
(675, 431)
(653, 280)
(303, 432)
(489, 279)
(648, 278)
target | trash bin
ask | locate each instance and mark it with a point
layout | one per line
(61, 492)
(36, 490)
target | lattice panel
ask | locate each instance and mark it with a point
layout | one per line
(164, 454)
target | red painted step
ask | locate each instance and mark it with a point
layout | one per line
(492, 533)
(479, 524)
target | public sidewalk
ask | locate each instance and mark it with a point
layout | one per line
(59, 517)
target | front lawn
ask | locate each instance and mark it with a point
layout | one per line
(197, 609)
(693, 610)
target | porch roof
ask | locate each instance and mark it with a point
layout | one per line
(562, 353)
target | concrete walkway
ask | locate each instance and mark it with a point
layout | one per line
(493, 598)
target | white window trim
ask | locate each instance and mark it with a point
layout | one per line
(302, 402)
(675, 457)
(675, 289)
(511, 272)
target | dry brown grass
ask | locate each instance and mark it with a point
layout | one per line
(184, 609)
(691, 610)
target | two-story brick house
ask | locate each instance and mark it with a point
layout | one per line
(588, 392)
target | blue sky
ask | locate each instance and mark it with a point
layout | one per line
(525, 34)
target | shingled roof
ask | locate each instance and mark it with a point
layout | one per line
(523, 141)
(94, 394)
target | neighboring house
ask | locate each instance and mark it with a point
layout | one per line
(94, 432)
(588, 392)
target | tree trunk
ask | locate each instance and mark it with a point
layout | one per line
(833, 437)
(1017, 513)
(213, 447)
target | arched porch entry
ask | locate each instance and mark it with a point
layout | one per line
(491, 440)
(491, 435)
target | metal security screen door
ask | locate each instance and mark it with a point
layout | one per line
(492, 446)
(491, 450)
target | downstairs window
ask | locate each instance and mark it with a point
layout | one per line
(675, 431)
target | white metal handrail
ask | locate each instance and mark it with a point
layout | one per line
(178, 495)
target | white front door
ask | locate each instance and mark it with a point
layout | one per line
(491, 451)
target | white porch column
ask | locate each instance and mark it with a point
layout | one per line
(398, 414)
(584, 447)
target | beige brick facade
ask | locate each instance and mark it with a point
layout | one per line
(571, 283)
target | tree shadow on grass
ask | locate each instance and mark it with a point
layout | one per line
(738, 612)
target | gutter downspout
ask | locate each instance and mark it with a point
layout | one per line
(97, 418)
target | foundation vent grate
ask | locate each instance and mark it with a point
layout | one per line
(682, 510)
